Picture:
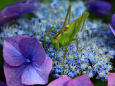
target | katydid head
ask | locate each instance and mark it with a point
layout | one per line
(56, 44)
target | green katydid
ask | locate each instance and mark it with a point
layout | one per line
(68, 32)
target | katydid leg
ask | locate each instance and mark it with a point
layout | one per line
(68, 14)
(77, 42)
(53, 27)
(84, 19)
(65, 52)
(46, 35)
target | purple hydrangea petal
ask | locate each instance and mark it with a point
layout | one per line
(37, 74)
(113, 19)
(100, 11)
(13, 75)
(13, 11)
(4, 19)
(18, 8)
(111, 79)
(112, 29)
(62, 81)
(98, 6)
(82, 80)
(30, 76)
(32, 49)
(2, 84)
(45, 68)
(32, 1)
(11, 52)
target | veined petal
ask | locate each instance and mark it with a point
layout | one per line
(37, 74)
(32, 49)
(82, 80)
(45, 68)
(31, 77)
(11, 52)
(13, 75)
(62, 81)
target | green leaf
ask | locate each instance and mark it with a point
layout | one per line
(29, 16)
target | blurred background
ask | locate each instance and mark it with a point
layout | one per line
(105, 17)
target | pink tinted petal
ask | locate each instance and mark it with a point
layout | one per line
(32, 49)
(62, 81)
(113, 19)
(37, 74)
(83, 80)
(44, 69)
(11, 52)
(13, 75)
(111, 79)
(112, 29)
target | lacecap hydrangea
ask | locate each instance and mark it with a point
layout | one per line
(96, 40)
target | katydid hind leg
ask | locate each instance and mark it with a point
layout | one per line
(53, 27)
(84, 17)
(67, 18)
(69, 14)
(77, 43)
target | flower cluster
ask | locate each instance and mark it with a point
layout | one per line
(95, 40)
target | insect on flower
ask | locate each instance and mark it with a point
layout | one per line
(68, 32)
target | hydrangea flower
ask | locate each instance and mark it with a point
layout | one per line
(112, 26)
(25, 61)
(82, 80)
(15, 10)
(98, 6)
(96, 40)
(67, 81)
